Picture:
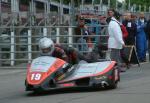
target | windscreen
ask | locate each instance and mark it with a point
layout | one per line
(42, 64)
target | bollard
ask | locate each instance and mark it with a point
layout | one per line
(29, 46)
(57, 35)
(44, 32)
(12, 49)
(70, 41)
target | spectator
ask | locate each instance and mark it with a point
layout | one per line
(141, 43)
(115, 41)
(133, 18)
(131, 28)
(83, 32)
(110, 15)
(148, 36)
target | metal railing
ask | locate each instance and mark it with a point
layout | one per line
(17, 48)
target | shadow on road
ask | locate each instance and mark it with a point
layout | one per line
(64, 91)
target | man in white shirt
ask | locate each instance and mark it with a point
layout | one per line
(115, 41)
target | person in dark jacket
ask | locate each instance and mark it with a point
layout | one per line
(148, 36)
(131, 28)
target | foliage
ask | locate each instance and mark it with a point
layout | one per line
(26, 2)
(140, 2)
(112, 2)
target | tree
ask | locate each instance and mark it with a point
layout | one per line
(26, 2)
(139, 2)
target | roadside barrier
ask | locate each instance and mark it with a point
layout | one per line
(19, 44)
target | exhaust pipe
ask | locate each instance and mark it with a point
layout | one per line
(104, 84)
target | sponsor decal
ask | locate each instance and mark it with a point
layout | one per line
(67, 85)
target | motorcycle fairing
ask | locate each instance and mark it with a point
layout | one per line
(41, 68)
(90, 70)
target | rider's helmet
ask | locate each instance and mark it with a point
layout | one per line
(46, 46)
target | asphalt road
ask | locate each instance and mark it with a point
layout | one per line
(134, 87)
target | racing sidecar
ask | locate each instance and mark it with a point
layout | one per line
(47, 73)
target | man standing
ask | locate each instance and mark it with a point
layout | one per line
(148, 36)
(141, 43)
(115, 41)
(110, 15)
(131, 28)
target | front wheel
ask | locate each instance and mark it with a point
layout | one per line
(37, 91)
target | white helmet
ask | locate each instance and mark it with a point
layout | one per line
(46, 46)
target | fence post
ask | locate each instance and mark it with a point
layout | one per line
(70, 36)
(57, 35)
(29, 46)
(12, 56)
(45, 32)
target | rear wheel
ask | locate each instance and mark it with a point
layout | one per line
(113, 85)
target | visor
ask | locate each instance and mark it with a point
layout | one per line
(46, 50)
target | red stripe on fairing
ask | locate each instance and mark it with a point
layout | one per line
(44, 75)
(107, 69)
(28, 68)
(67, 85)
(110, 67)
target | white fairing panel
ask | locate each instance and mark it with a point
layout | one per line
(93, 67)
(42, 64)
(88, 69)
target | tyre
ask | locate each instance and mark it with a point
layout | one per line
(37, 91)
(113, 85)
